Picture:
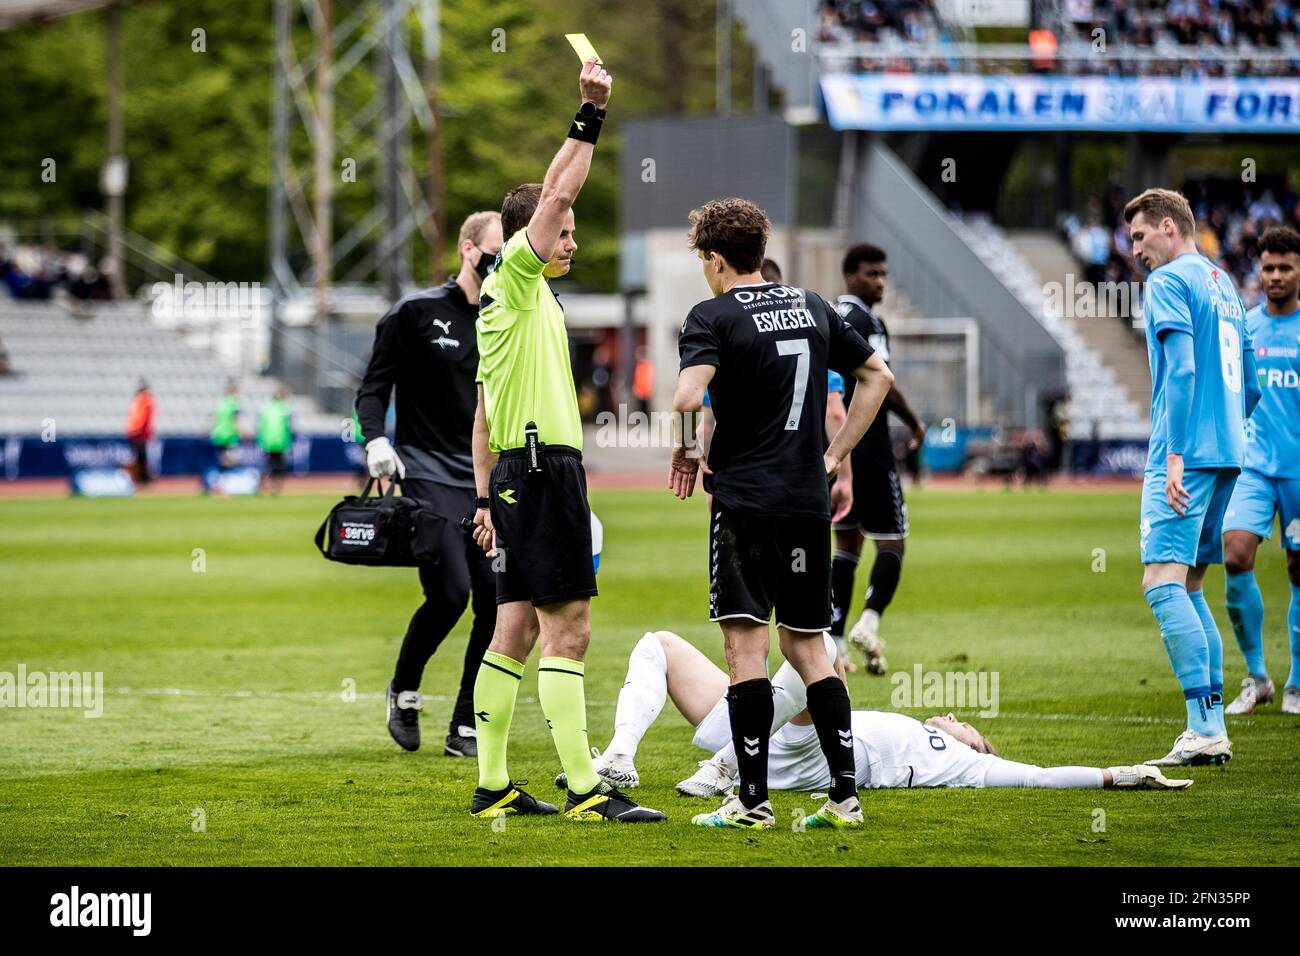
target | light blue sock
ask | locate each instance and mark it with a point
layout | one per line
(1293, 625)
(1214, 644)
(1246, 612)
(1188, 651)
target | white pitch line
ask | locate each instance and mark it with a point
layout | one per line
(443, 698)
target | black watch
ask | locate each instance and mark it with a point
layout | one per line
(481, 503)
(587, 109)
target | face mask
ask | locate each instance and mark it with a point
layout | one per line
(485, 263)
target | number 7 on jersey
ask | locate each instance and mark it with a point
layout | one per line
(799, 349)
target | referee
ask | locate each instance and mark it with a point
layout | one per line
(532, 512)
(763, 350)
(425, 347)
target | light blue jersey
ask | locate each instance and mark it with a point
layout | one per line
(1193, 295)
(1273, 431)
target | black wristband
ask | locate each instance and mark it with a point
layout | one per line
(587, 123)
(481, 503)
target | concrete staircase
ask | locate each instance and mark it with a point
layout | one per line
(1106, 333)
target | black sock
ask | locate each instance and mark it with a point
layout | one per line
(828, 705)
(884, 580)
(751, 707)
(843, 567)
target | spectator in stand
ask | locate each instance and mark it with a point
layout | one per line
(139, 431)
(1265, 208)
(1206, 239)
(275, 438)
(1091, 244)
(1192, 38)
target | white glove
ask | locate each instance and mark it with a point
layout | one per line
(382, 460)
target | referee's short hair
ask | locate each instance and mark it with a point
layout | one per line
(734, 228)
(518, 207)
(860, 253)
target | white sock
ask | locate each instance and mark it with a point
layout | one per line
(841, 649)
(642, 696)
(1008, 773)
(870, 620)
(789, 697)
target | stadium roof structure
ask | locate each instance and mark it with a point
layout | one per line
(18, 13)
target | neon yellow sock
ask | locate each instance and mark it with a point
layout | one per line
(564, 702)
(494, 704)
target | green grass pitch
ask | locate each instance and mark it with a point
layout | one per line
(225, 694)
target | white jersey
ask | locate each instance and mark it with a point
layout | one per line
(895, 750)
(889, 750)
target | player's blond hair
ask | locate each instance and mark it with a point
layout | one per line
(1157, 205)
(475, 224)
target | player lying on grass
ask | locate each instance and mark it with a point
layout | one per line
(892, 750)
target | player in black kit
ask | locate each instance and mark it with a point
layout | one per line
(878, 510)
(763, 349)
(426, 346)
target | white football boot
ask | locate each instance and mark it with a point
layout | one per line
(1143, 777)
(1291, 700)
(865, 639)
(1192, 749)
(1253, 693)
(713, 779)
(617, 770)
(733, 813)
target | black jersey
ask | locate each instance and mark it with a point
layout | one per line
(875, 448)
(771, 345)
(426, 346)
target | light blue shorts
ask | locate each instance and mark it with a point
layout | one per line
(1255, 500)
(1194, 537)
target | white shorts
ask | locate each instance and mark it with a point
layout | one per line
(794, 756)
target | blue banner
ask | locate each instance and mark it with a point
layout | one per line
(29, 457)
(953, 101)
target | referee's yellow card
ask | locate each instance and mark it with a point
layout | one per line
(582, 46)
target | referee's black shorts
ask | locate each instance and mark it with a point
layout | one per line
(878, 506)
(759, 562)
(543, 527)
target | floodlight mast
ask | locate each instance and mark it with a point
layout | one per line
(348, 142)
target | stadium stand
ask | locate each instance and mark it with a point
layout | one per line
(1102, 402)
(81, 373)
(1141, 37)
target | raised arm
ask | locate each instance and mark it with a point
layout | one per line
(569, 168)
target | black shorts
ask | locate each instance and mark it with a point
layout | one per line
(276, 463)
(878, 506)
(760, 562)
(543, 526)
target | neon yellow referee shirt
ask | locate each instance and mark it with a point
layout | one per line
(523, 354)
